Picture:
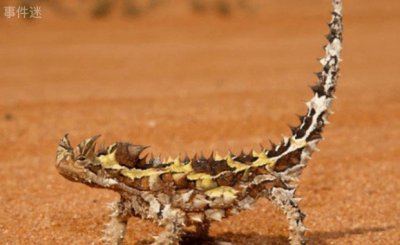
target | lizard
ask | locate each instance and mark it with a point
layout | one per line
(178, 193)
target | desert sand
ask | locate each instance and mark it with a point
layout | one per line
(184, 82)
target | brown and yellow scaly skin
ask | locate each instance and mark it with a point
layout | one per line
(178, 193)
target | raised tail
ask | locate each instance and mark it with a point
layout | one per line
(293, 153)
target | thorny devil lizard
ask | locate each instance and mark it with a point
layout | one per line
(178, 193)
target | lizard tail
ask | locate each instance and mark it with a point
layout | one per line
(292, 154)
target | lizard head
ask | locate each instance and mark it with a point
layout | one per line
(75, 164)
(97, 169)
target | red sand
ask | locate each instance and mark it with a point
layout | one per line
(184, 82)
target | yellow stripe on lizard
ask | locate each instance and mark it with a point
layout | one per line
(262, 160)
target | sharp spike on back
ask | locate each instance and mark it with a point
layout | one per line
(159, 157)
(202, 157)
(256, 154)
(293, 129)
(285, 140)
(65, 142)
(301, 118)
(169, 159)
(319, 75)
(151, 160)
(251, 151)
(136, 150)
(195, 158)
(87, 146)
(186, 159)
(144, 158)
(273, 145)
(211, 157)
(218, 157)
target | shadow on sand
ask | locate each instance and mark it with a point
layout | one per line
(320, 238)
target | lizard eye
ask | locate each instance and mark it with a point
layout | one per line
(81, 158)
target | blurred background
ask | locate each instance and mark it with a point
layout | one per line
(196, 76)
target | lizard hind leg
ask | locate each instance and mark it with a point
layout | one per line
(115, 229)
(287, 202)
(174, 221)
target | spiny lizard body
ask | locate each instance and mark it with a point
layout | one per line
(177, 193)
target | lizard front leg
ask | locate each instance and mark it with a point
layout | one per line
(173, 220)
(286, 201)
(115, 230)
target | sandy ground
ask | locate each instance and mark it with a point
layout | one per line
(189, 83)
